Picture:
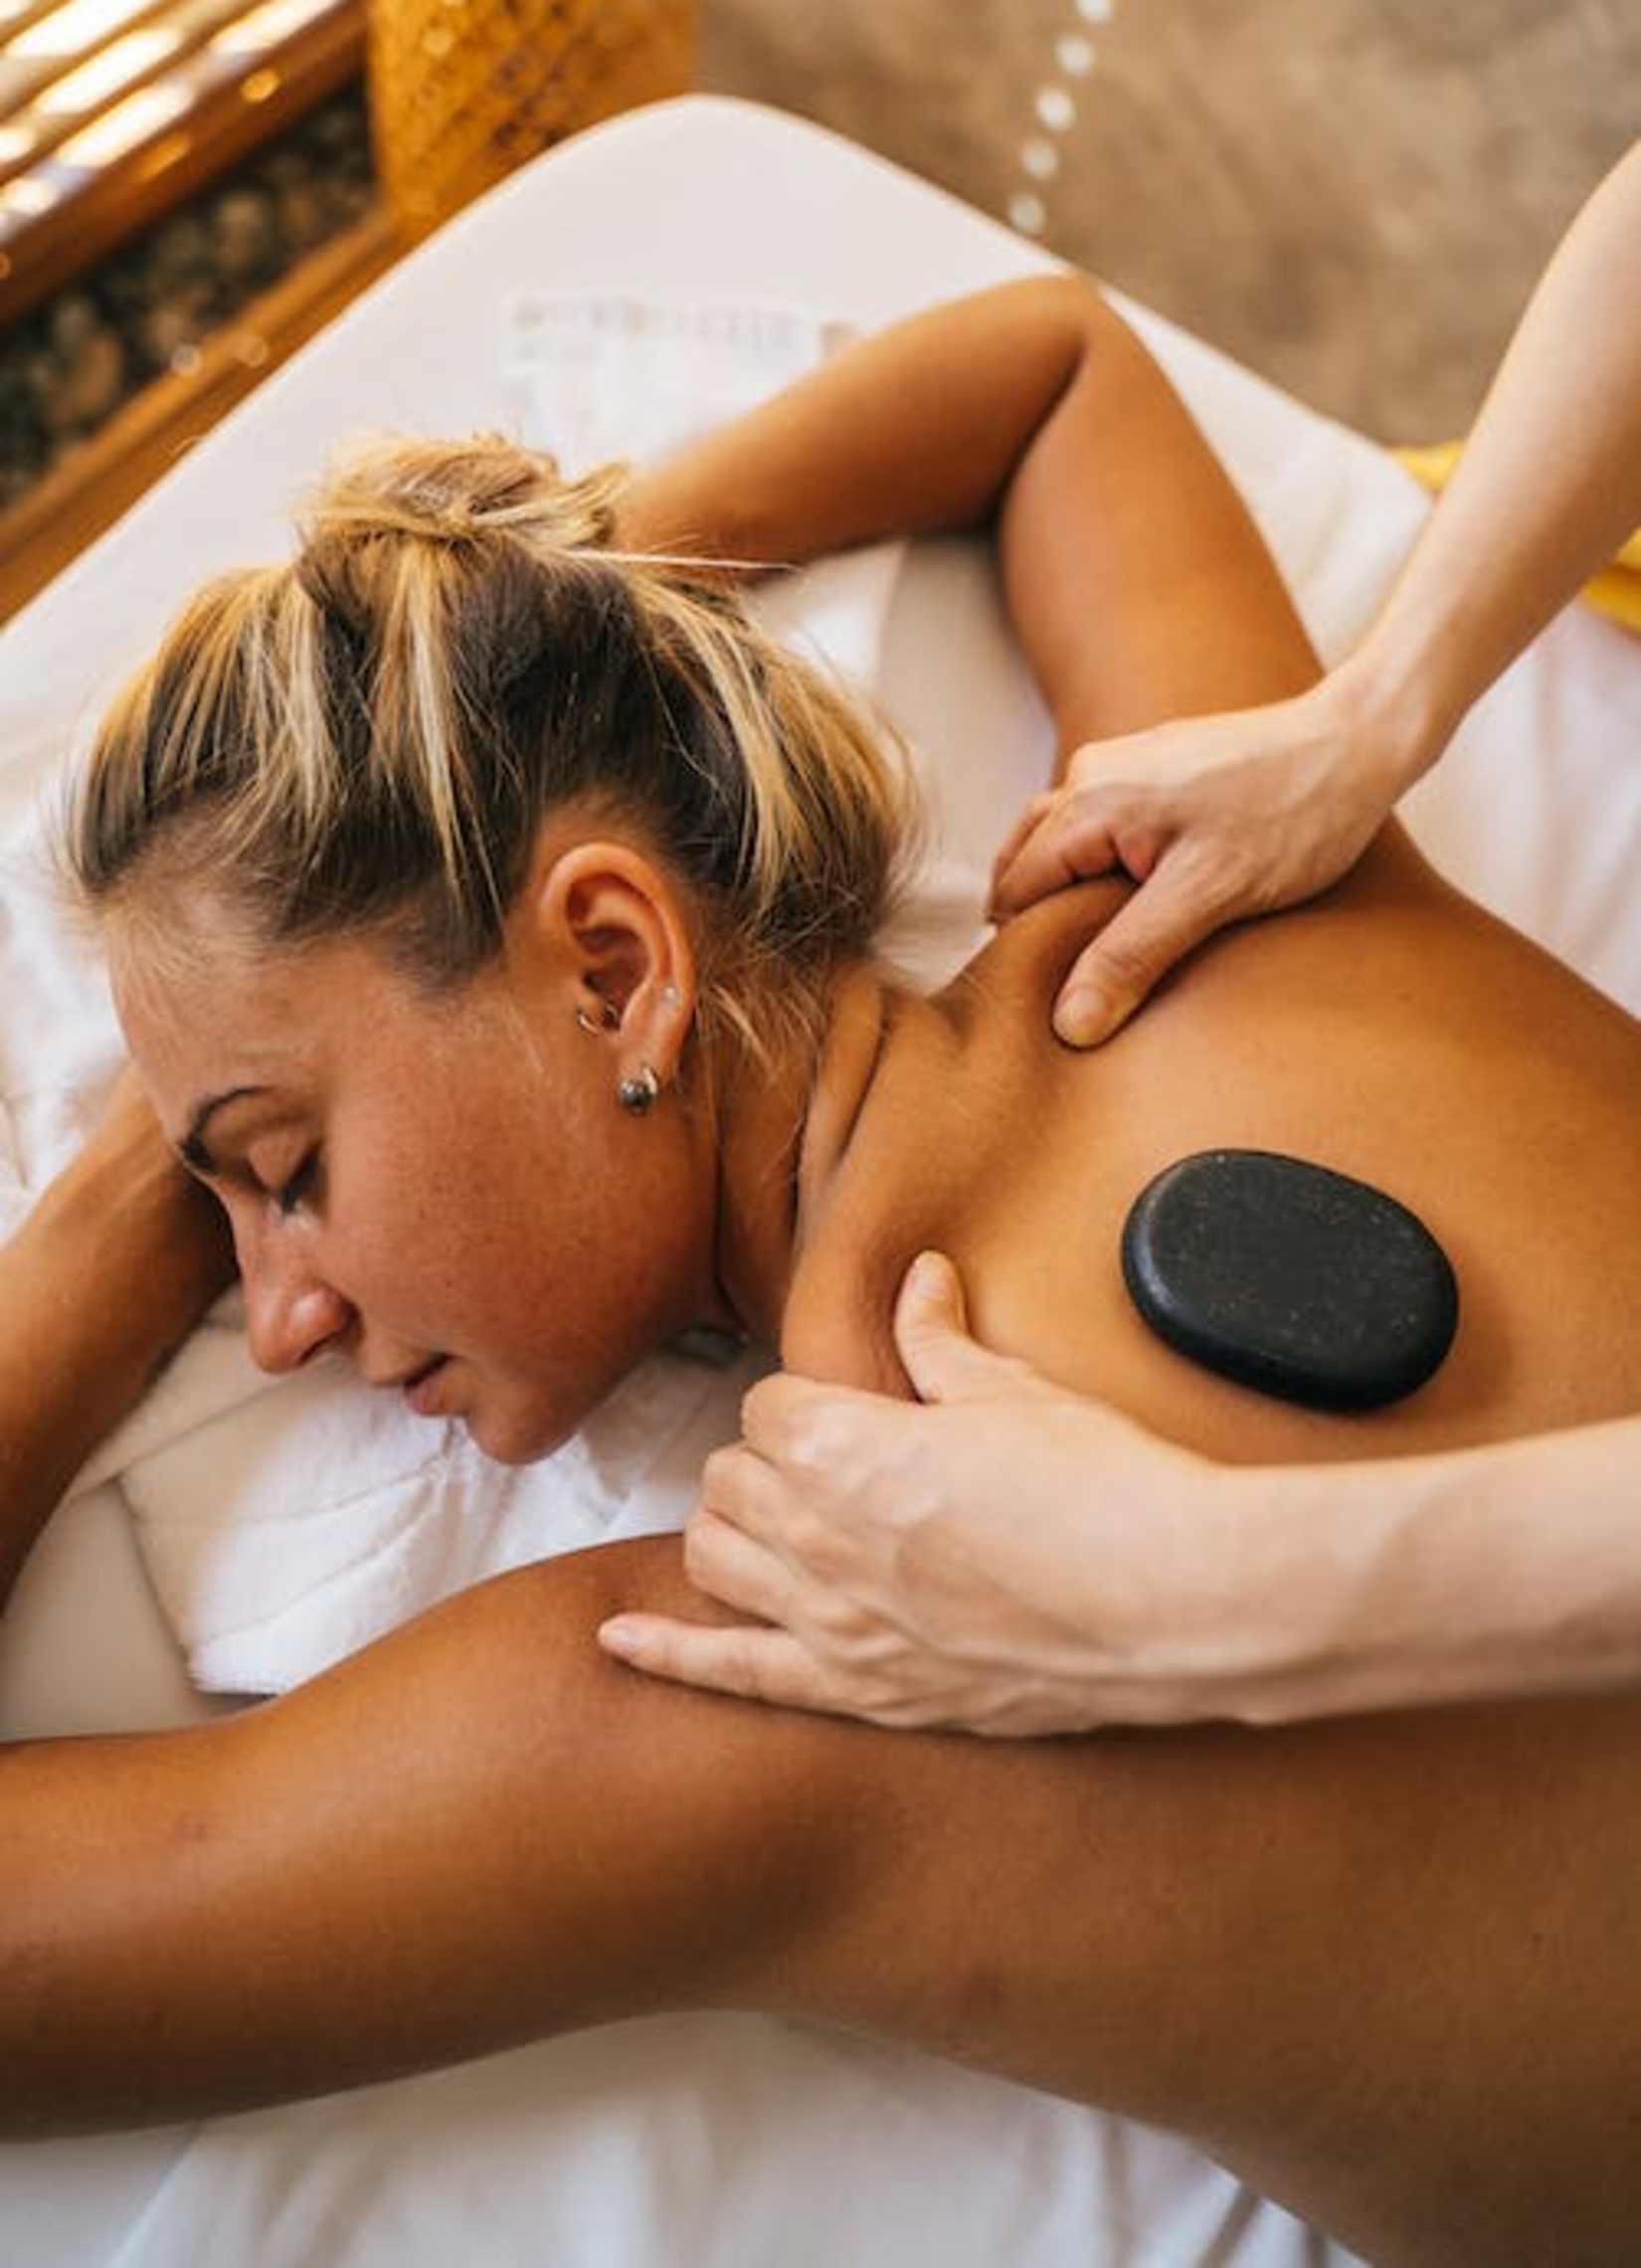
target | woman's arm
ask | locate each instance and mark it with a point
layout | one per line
(468, 1835)
(105, 1276)
(1130, 561)
(1269, 806)
(476, 1832)
(1021, 1560)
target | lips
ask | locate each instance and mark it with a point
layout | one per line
(421, 1388)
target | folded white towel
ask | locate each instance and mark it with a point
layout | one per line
(306, 1520)
(285, 1523)
(58, 1043)
(595, 379)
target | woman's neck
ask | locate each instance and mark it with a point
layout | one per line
(785, 1125)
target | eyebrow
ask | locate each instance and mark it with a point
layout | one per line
(192, 1149)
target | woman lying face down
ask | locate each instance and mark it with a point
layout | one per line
(426, 861)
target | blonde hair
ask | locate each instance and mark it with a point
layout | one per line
(366, 738)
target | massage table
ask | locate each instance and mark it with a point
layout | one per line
(711, 2140)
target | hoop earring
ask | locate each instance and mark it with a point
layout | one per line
(607, 1020)
(638, 1094)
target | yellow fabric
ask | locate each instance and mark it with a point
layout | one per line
(1616, 590)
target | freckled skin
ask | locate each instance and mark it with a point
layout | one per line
(481, 1194)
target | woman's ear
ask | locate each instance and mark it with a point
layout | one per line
(619, 941)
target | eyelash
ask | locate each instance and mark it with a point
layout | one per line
(290, 1196)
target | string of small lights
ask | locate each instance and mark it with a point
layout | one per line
(1053, 114)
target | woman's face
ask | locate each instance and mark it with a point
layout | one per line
(442, 1187)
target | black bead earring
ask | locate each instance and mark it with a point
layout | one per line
(638, 1094)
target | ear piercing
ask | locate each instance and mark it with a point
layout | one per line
(637, 1092)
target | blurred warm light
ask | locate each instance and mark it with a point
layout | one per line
(127, 61)
(266, 26)
(156, 157)
(136, 119)
(71, 30)
(127, 82)
(32, 194)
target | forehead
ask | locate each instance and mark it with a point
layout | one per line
(205, 1009)
(333, 1024)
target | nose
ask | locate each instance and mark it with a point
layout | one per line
(291, 1314)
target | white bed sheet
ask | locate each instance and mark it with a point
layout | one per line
(717, 2141)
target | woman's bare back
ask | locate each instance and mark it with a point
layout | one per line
(1390, 1031)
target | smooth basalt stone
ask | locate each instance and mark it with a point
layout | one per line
(1291, 1278)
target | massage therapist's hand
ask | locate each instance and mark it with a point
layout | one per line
(1239, 815)
(1215, 818)
(1003, 1556)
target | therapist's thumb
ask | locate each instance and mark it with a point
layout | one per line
(1159, 924)
(931, 1329)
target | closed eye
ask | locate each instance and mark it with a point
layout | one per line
(300, 1185)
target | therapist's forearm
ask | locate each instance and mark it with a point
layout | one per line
(103, 1279)
(1511, 1569)
(1547, 487)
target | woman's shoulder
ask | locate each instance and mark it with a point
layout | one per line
(910, 1146)
(1378, 1031)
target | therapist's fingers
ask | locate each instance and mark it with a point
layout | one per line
(805, 1430)
(1165, 919)
(743, 1483)
(735, 1568)
(932, 1337)
(1118, 810)
(1030, 817)
(754, 1664)
(781, 1483)
(1071, 836)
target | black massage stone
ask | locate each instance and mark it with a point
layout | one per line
(1291, 1278)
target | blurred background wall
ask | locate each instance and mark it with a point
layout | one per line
(1354, 196)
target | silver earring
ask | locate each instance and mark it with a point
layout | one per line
(607, 1020)
(638, 1094)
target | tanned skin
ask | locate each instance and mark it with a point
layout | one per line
(1385, 1967)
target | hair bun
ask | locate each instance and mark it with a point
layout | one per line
(384, 494)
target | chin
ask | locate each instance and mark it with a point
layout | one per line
(515, 1439)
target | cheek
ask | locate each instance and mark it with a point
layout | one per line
(546, 1235)
(585, 1272)
(500, 1256)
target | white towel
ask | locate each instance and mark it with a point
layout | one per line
(285, 1523)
